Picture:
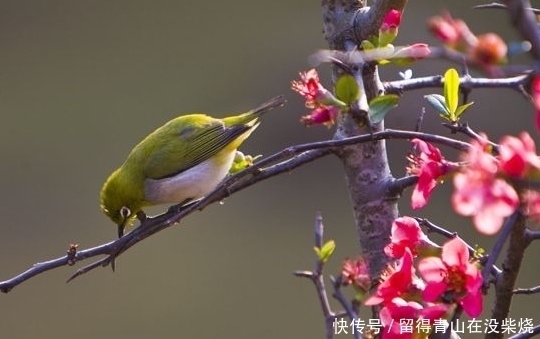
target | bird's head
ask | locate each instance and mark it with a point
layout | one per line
(119, 201)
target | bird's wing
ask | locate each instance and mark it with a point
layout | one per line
(190, 147)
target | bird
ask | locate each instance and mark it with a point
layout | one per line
(179, 162)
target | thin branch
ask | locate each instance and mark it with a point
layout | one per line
(464, 128)
(526, 335)
(398, 185)
(339, 296)
(532, 235)
(497, 248)
(317, 278)
(496, 5)
(532, 290)
(281, 162)
(399, 86)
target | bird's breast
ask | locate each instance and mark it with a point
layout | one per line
(193, 183)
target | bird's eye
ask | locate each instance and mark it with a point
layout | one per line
(125, 212)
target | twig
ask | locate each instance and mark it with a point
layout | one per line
(496, 5)
(351, 313)
(532, 290)
(318, 281)
(497, 248)
(526, 335)
(398, 185)
(399, 86)
(468, 131)
(532, 235)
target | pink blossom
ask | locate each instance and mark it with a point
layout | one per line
(535, 95)
(444, 30)
(452, 32)
(312, 90)
(356, 272)
(453, 277)
(518, 155)
(412, 52)
(395, 313)
(322, 115)
(406, 234)
(326, 107)
(392, 19)
(397, 280)
(430, 166)
(531, 202)
(480, 193)
(309, 87)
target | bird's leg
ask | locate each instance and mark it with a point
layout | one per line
(141, 216)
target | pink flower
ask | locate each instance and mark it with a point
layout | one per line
(430, 166)
(389, 28)
(397, 280)
(356, 272)
(444, 30)
(326, 107)
(518, 155)
(406, 234)
(411, 53)
(480, 193)
(395, 314)
(453, 277)
(311, 89)
(454, 33)
(322, 115)
(392, 19)
(535, 95)
(531, 202)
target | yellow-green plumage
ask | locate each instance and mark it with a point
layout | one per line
(182, 160)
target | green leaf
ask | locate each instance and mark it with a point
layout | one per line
(379, 106)
(462, 108)
(347, 89)
(451, 91)
(366, 44)
(325, 251)
(437, 101)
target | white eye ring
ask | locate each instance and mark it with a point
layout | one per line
(125, 212)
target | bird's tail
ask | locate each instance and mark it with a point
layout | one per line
(250, 118)
(270, 104)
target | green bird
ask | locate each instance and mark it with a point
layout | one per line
(181, 161)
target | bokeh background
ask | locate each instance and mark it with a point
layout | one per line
(82, 81)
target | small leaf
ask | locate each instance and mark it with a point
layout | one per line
(366, 44)
(451, 90)
(379, 106)
(438, 103)
(462, 108)
(326, 250)
(347, 89)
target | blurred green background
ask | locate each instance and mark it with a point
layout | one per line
(82, 81)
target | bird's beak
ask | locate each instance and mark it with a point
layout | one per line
(121, 227)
